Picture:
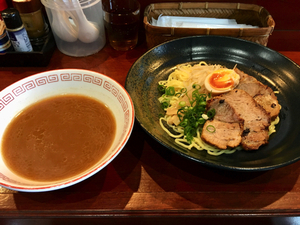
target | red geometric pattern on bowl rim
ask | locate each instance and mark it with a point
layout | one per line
(64, 77)
(31, 84)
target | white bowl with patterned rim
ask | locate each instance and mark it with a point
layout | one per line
(31, 89)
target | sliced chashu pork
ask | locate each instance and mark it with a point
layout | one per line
(222, 134)
(261, 93)
(237, 107)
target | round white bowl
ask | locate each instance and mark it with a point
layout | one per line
(31, 89)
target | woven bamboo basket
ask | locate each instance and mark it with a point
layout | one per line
(243, 13)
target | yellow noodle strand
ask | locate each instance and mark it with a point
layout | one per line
(184, 77)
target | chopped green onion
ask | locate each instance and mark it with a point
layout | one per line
(201, 121)
(170, 91)
(164, 105)
(210, 94)
(211, 113)
(196, 86)
(161, 89)
(182, 103)
(202, 103)
(211, 129)
(205, 117)
(190, 116)
(184, 123)
(178, 94)
(183, 91)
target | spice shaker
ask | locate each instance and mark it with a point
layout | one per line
(32, 17)
(16, 30)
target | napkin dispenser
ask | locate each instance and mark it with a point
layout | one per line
(259, 23)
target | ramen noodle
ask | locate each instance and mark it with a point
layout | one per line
(184, 77)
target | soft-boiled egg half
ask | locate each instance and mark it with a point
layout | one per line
(221, 81)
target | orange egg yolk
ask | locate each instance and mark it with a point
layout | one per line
(221, 80)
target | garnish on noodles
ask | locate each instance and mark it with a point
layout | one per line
(184, 99)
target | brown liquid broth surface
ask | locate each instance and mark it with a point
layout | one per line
(58, 137)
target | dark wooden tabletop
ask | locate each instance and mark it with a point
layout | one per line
(147, 183)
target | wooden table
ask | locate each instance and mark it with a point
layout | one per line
(147, 183)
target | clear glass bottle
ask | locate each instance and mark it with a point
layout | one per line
(32, 17)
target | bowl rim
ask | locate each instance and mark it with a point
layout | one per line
(202, 46)
(88, 173)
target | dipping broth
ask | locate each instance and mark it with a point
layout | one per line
(58, 137)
